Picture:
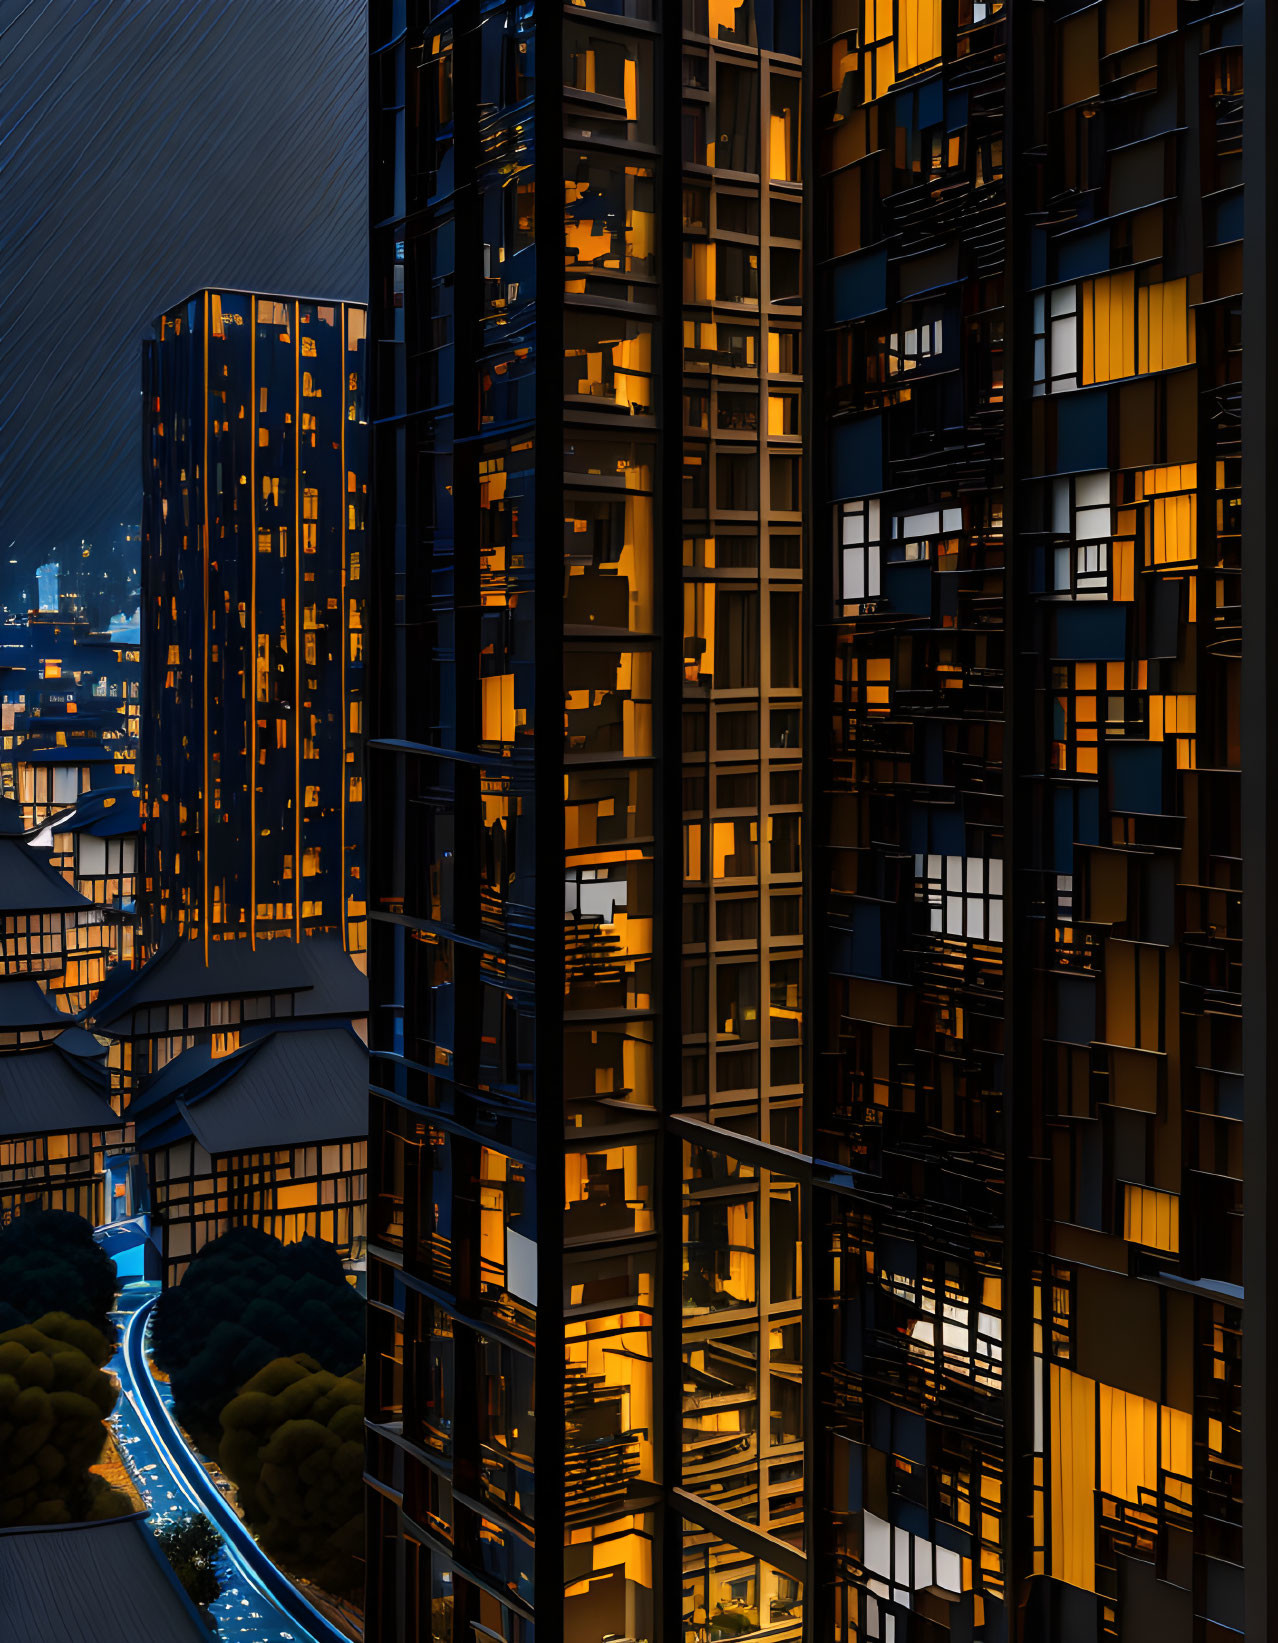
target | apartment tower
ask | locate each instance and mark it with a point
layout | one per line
(809, 524)
(587, 782)
(254, 487)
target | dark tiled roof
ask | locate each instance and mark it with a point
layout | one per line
(234, 970)
(11, 822)
(25, 1004)
(337, 985)
(29, 885)
(105, 812)
(286, 1086)
(105, 1581)
(79, 1042)
(318, 971)
(43, 1092)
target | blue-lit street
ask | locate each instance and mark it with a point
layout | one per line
(257, 1603)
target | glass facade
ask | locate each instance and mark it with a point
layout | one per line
(251, 769)
(827, 1224)
(586, 912)
(1029, 1256)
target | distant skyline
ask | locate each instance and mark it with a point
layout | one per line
(147, 148)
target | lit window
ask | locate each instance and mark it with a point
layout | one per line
(859, 537)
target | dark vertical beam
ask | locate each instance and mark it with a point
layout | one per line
(817, 692)
(422, 601)
(668, 593)
(421, 589)
(1023, 70)
(548, 629)
(1259, 812)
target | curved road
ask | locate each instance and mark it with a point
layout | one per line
(144, 1396)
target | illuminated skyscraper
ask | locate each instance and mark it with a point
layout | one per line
(1033, 827)
(586, 921)
(47, 586)
(254, 501)
(891, 486)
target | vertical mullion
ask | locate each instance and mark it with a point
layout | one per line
(1022, 69)
(1259, 800)
(548, 625)
(668, 1336)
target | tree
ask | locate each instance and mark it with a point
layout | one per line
(293, 1445)
(192, 1545)
(245, 1300)
(53, 1400)
(50, 1261)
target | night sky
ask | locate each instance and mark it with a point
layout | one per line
(147, 148)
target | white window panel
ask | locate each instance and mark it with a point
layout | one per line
(92, 853)
(862, 572)
(878, 1545)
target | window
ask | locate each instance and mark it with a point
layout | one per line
(737, 119)
(785, 641)
(963, 895)
(907, 350)
(1081, 510)
(1056, 339)
(916, 536)
(858, 527)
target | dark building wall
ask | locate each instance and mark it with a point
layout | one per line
(52, 1171)
(585, 1261)
(955, 1317)
(1029, 224)
(252, 627)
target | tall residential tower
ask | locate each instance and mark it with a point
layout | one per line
(587, 791)
(823, 785)
(251, 770)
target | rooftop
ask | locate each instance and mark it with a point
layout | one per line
(44, 1091)
(29, 885)
(285, 1086)
(61, 1584)
(318, 970)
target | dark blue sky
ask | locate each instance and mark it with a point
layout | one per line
(149, 147)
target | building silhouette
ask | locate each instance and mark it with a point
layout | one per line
(251, 772)
(587, 920)
(1028, 1139)
(826, 1223)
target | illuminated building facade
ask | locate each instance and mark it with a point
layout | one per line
(1028, 541)
(54, 1113)
(95, 848)
(47, 586)
(241, 1078)
(588, 782)
(955, 1291)
(271, 1134)
(70, 713)
(54, 1117)
(182, 999)
(251, 771)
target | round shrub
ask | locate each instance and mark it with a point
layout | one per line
(54, 1398)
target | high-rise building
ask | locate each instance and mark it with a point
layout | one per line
(47, 586)
(251, 771)
(589, 781)
(835, 1234)
(1028, 1259)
